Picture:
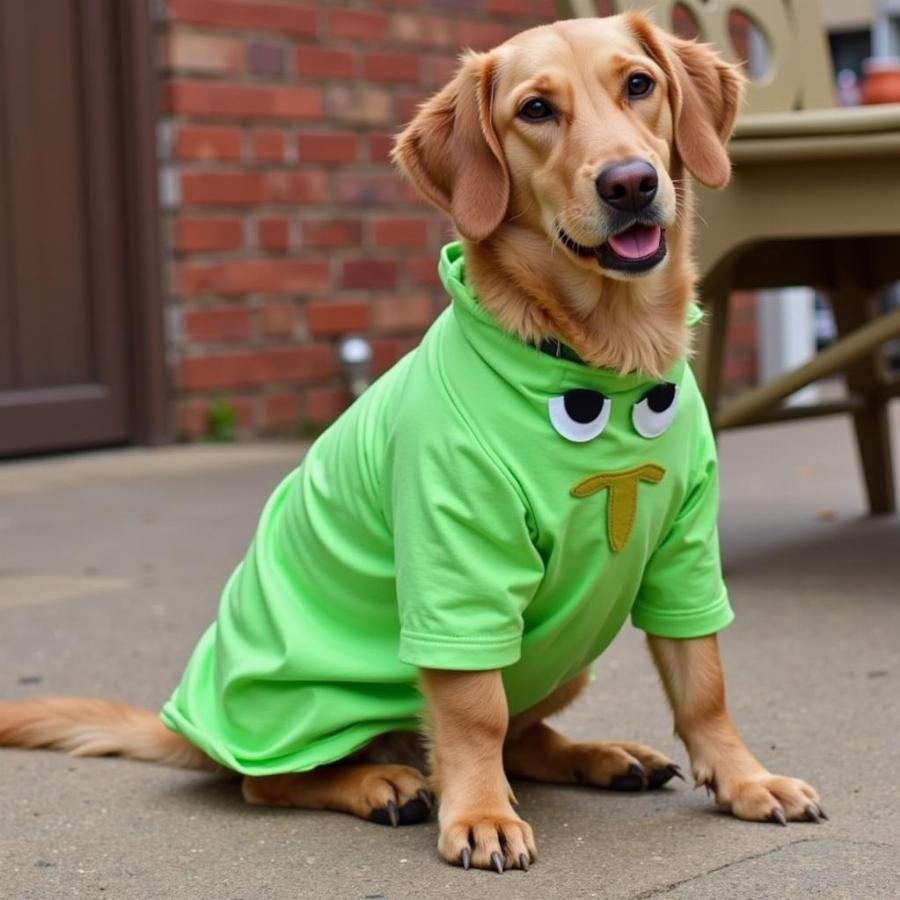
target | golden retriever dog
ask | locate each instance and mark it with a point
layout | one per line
(564, 158)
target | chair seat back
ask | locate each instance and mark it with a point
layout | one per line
(787, 43)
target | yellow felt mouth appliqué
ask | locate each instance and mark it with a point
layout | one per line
(623, 491)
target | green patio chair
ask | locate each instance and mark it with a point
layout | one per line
(815, 200)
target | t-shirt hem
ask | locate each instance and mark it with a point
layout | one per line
(675, 624)
(322, 751)
(463, 654)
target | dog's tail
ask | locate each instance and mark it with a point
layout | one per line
(84, 726)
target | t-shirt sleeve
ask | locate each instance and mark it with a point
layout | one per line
(683, 594)
(466, 566)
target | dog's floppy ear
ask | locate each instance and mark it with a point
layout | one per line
(705, 93)
(452, 155)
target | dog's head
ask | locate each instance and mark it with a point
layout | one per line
(581, 131)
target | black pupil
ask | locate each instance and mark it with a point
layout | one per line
(536, 109)
(660, 398)
(582, 405)
(639, 84)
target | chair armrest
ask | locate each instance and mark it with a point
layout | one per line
(856, 120)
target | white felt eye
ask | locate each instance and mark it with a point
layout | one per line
(653, 413)
(580, 415)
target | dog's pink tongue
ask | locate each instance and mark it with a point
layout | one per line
(637, 242)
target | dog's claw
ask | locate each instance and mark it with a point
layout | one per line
(635, 779)
(465, 857)
(425, 797)
(822, 814)
(393, 812)
(523, 862)
(659, 777)
(812, 814)
(497, 862)
(777, 817)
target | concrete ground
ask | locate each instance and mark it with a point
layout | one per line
(110, 565)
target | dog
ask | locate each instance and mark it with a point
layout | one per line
(436, 577)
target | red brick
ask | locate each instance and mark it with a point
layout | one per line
(443, 68)
(412, 197)
(357, 25)
(191, 416)
(401, 232)
(506, 8)
(742, 334)
(392, 67)
(380, 146)
(324, 404)
(387, 351)
(186, 50)
(482, 35)
(330, 318)
(292, 187)
(408, 105)
(280, 410)
(369, 273)
(739, 370)
(422, 270)
(361, 106)
(222, 188)
(429, 31)
(252, 15)
(290, 365)
(215, 98)
(208, 142)
(268, 145)
(277, 318)
(267, 58)
(224, 323)
(336, 147)
(195, 234)
(247, 276)
(403, 313)
(272, 234)
(332, 233)
(322, 62)
(366, 190)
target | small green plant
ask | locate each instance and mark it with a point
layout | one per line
(221, 421)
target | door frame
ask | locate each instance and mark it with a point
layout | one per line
(150, 407)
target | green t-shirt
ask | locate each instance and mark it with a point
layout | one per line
(483, 505)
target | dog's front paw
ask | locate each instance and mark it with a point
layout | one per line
(487, 841)
(764, 797)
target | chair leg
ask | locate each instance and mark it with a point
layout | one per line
(852, 308)
(711, 348)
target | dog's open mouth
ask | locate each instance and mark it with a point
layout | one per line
(636, 249)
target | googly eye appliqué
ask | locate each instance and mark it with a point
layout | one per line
(654, 412)
(580, 415)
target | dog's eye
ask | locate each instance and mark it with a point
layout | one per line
(580, 415)
(640, 85)
(653, 413)
(536, 110)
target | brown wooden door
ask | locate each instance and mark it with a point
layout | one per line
(65, 378)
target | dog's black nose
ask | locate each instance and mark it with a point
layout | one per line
(629, 185)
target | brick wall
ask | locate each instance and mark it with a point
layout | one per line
(285, 224)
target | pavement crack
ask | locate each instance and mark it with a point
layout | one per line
(665, 889)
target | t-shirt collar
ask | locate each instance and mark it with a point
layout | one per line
(523, 363)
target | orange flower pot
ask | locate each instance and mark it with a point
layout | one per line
(881, 83)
